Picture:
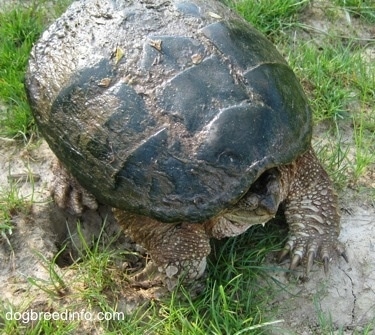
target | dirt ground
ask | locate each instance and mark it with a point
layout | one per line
(346, 294)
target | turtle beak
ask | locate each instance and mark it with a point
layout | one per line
(268, 205)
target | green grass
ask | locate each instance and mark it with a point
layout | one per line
(237, 291)
(364, 9)
(12, 203)
(269, 16)
(19, 29)
(334, 77)
(339, 81)
(364, 142)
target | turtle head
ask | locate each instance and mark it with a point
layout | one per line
(257, 206)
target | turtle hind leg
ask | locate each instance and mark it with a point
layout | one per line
(311, 212)
(178, 251)
(67, 193)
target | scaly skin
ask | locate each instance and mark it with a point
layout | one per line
(180, 250)
(311, 212)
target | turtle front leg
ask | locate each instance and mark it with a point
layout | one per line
(177, 250)
(311, 212)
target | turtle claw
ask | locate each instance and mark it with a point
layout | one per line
(285, 252)
(309, 249)
(295, 261)
(310, 261)
(345, 256)
(326, 265)
(342, 252)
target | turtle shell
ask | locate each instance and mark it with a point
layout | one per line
(170, 109)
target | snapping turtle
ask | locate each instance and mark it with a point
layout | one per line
(187, 121)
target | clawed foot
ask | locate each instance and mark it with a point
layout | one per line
(310, 248)
(147, 277)
(169, 276)
(178, 251)
(311, 211)
(68, 193)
